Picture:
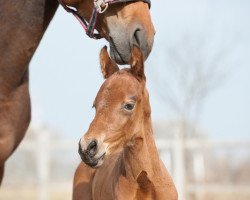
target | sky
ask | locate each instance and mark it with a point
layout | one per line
(65, 74)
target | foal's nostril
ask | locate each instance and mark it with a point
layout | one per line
(92, 148)
(80, 148)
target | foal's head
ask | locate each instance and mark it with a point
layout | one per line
(123, 24)
(121, 106)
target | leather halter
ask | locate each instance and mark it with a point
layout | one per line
(100, 6)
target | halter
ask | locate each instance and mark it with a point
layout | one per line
(100, 6)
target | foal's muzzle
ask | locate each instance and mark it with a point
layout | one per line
(89, 153)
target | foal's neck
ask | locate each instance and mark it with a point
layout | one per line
(141, 157)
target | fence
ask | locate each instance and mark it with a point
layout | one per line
(173, 153)
(180, 146)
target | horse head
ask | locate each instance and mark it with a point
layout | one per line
(122, 104)
(124, 24)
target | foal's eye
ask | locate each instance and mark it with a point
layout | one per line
(129, 106)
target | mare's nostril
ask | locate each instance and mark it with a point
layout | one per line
(137, 37)
(92, 148)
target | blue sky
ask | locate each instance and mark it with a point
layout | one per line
(65, 74)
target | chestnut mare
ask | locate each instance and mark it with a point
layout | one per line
(119, 145)
(22, 25)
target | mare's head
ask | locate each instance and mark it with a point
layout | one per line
(123, 25)
(122, 105)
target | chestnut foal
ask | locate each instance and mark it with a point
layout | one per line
(119, 145)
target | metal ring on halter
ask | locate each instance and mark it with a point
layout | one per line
(101, 6)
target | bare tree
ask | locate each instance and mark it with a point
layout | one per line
(195, 66)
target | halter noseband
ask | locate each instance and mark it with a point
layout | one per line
(100, 6)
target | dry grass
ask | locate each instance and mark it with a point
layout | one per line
(62, 194)
(225, 196)
(32, 194)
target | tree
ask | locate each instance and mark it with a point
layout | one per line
(195, 66)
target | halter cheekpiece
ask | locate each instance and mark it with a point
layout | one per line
(100, 6)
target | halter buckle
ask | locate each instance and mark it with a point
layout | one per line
(101, 6)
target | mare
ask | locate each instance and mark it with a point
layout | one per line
(120, 158)
(22, 25)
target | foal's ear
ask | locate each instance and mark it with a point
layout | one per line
(108, 66)
(137, 63)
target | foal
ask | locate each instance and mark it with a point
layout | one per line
(119, 145)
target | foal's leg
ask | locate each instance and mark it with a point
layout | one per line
(82, 189)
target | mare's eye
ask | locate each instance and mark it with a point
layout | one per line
(129, 106)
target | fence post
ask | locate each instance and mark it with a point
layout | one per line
(42, 161)
(166, 158)
(199, 166)
(179, 164)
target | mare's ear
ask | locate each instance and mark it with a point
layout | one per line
(108, 66)
(137, 63)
